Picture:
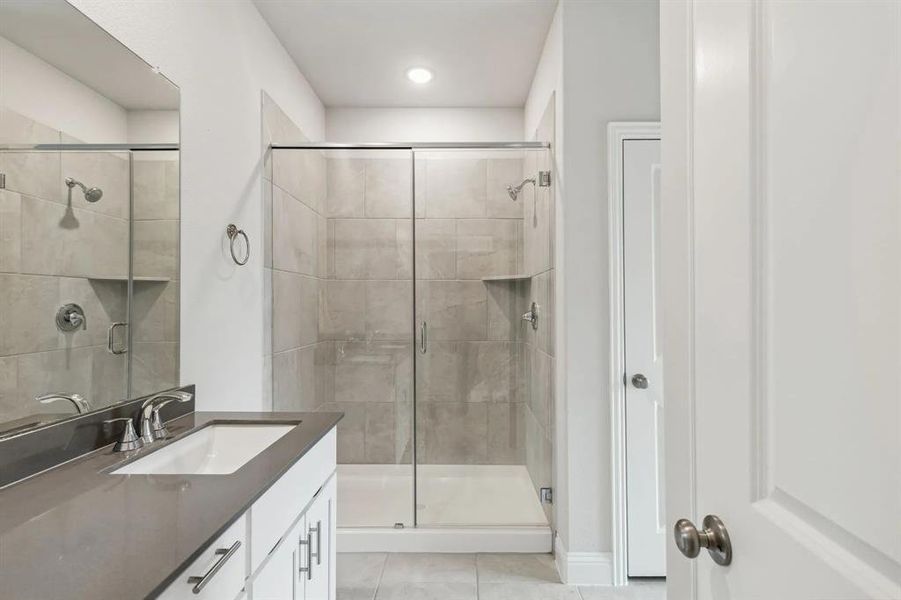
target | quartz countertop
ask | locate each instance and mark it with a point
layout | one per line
(77, 531)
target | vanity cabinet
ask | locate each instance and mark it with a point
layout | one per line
(286, 540)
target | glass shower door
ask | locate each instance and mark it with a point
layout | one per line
(342, 315)
(475, 428)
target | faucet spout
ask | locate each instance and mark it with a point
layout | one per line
(152, 427)
(78, 401)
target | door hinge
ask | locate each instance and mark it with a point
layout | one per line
(546, 495)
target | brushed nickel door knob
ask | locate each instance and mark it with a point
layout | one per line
(714, 537)
(640, 381)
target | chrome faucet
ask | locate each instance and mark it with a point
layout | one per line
(152, 427)
(77, 400)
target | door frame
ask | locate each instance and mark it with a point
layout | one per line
(617, 133)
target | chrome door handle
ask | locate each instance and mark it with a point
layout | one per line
(111, 339)
(318, 530)
(640, 381)
(714, 537)
(423, 338)
(309, 545)
(224, 554)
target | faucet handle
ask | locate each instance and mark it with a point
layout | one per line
(129, 439)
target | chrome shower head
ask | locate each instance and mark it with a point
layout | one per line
(514, 190)
(92, 194)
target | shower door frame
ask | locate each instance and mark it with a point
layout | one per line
(413, 147)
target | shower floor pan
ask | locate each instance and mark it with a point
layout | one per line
(462, 508)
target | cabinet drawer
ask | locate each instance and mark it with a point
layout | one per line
(219, 572)
(279, 507)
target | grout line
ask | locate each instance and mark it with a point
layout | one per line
(378, 582)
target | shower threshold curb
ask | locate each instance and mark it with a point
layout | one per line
(445, 539)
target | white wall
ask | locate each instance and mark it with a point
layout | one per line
(221, 55)
(38, 90)
(424, 124)
(602, 60)
(152, 126)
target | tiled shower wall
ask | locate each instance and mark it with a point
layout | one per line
(53, 251)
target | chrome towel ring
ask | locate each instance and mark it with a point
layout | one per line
(233, 232)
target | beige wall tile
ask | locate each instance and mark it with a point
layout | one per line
(346, 187)
(506, 304)
(28, 306)
(436, 249)
(454, 310)
(343, 310)
(351, 431)
(501, 173)
(380, 433)
(538, 452)
(301, 173)
(299, 376)
(295, 245)
(456, 187)
(104, 302)
(506, 437)
(154, 367)
(295, 311)
(366, 249)
(389, 310)
(108, 377)
(33, 173)
(154, 312)
(59, 241)
(58, 370)
(541, 388)
(487, 247)
(10, 232)
(366, 372)
(322, 246)
(452, 433)
(439, 373)
(268, 231)
(404, 248)
(11, 406)
(389, 188)
(156, 249)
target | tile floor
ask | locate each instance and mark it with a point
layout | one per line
(470, 577)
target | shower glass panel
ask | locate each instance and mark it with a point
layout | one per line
(481, 456)
(341, 272)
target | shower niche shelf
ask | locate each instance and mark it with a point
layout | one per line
(520, 277)
(124, 279)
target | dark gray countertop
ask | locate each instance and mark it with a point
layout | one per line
(78, 532)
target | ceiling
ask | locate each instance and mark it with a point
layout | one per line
(59, 34)
(356, 52)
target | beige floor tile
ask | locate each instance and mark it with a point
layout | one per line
(517, 568)
(358, 575)
(527, 591)
(427, 591)
(430, 568)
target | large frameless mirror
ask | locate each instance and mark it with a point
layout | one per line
(89, 219)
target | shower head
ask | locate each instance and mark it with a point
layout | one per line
(92, 194)
(514, 190)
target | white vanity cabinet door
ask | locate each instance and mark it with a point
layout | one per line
(222, 565)
(320, 516)
(277, 579)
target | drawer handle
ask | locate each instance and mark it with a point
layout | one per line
(318, 530)
(224, 554)
(309, 545)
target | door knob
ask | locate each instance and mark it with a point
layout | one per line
(714, 537)
(640, 381)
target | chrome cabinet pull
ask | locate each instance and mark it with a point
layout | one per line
(423, 338)
(309, 545)
(111, 339)
(224, 554)
(318, 530)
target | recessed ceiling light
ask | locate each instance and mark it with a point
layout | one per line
(419, 75)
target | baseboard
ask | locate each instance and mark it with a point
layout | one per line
(583, 568)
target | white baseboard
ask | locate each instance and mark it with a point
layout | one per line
(583, 568)
(462, 539)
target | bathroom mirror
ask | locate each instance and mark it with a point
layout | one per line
(89, 219)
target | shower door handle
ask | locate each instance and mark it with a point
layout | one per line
(423, 337)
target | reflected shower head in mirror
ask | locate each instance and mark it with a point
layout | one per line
(92, 194)
(514, 190)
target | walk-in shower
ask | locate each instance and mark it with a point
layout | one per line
(399, 276)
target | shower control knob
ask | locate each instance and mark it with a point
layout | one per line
(640, 381)
(70, 317)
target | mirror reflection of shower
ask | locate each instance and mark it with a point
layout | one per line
(91, 194)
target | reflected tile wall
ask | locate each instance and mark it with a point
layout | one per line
(56, 248)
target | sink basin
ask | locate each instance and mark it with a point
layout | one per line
(214, 450)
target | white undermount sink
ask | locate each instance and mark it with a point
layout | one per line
(216, 449)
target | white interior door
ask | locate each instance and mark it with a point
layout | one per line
(646, 524)
(782, 291)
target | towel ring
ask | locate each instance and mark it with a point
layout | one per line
(233, 232)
